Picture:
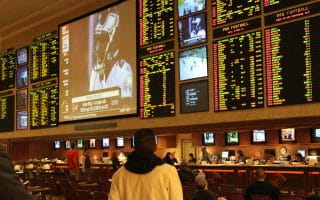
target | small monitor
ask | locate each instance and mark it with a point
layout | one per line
(225, 155)
(208, 138)
(186, 7)
(258, 137)
(314, 152)
(287, 135)
(120, 142)
(269, 153)
(22, 56)
(232, 138)
(56, 145)
(302, 152)
(192, 30)
(80, 143)
(92, 143)
(68, 144)
(22, 99)
(105, 143)
(22, 120)
(315, 135)
(22, 77)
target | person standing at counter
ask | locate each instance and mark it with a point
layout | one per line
(241, 157)
(145, 176)
(73, 161)
(260, 187)
(205, 156)
(192, 159)
(168, 158)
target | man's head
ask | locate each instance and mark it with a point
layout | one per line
(203, 149)
(191, 155)
(144, 140)
(260, 174)
(201, 181)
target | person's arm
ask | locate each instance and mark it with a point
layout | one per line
(114, 193)
(10, 187)
(175, 188)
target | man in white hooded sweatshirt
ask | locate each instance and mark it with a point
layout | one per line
(145, 176)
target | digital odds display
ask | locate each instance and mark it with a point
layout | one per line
(6, 113)
(7, 71)
(98, 75)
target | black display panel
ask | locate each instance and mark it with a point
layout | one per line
(292, 60)
(22, 77)
(7, 113)
(315, 135)
(119, 142)
(186, 7)
(232, 138)
(258, 137)
(157, 86)
(156, 21)
(44, 59)
(44, 107)
(22, 120)
(238, 72)
(7, 71)
(208, 139)
(105, 142)
(287, 135)
(225, 11)
(192, 30)
(193, 63)
(194, 97)
(22, 99)
(22, 57)
(56, 145)
(80, 144)
(272, 5)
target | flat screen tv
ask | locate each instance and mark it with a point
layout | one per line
(22, 77)
(192, 30)
(119, 142)
(258, 137)
(315, 135)
(186, 7)
(22, 120)
(80, 143)
(287, 135)
(22, 56)
(105, 142)
(208, 139)
(232, 138)
(92, 143)
(97, 62)
(56, 145)
(269, 153)
(225, 155)
(68, 144)
(302, 152)
(314, 152)
(193, 63)
(22, 99)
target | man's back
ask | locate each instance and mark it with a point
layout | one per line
(71, 156)
(162, 183)
(262, 188)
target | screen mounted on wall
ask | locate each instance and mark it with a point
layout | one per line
(98, 74)
(287, 135)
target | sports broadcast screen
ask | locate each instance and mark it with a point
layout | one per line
(22, 56)
(287, 135)
(57, 145)
(258, 136)
(232, 138)
(105, 143)
(80, 143)
(186, 7)
(92, 143)
(68, 144)
(315, 135)
(98, 74)
(22, 120)
(22, 99)
(208, 138)
(120, 142)
(22, 77)
(193, 63)
(192, 30)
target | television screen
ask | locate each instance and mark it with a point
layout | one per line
(105, 143)
(302, 152)
(287, 135)
(120, 142)
(192, 30)
(314, 152)
(315, 135)
(225, 155)
(80, 143)
(186, 7)
(268, 153)
(92, 143)
(56, 145)
(98, 75)
(193, 63)
(22, 99)
(258, 136)
(232, 138)
(22, 77)
(68, 144)
(22, 120)
(22, 56)
(208, 138)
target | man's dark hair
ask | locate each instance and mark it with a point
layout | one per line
(144, 140)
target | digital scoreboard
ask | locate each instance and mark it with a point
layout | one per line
(238, 72)
(7, 71)
(157, 86)
(273, 5)
(44, 61)
(6, 113)
(292, 50)
(156, 21)
(44, 107)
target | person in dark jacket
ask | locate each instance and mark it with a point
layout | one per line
(260, 187)
(115, 161)
(10, 187)
(202, 192)
(192, 159)
(168, 158)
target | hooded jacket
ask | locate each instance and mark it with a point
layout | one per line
(145, 177)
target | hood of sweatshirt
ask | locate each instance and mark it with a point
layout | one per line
(142, 162)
